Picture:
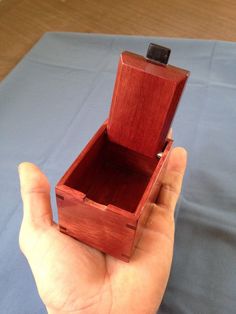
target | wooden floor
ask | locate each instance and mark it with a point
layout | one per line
(22, 22)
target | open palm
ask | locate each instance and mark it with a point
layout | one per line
(74, 278)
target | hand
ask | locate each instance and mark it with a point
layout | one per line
(74, 278)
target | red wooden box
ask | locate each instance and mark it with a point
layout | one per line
(103, 198)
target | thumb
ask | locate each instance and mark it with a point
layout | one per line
(35, 193)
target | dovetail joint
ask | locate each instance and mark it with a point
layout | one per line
(60, 196)
(131, 226)
(125, 256)
(62, 229)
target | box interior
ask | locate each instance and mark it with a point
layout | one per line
(112, 174)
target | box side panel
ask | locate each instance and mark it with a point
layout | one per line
(152, 194)
(90, 149)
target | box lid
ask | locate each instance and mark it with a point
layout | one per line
(145, 99)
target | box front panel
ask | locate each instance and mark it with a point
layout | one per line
(100, 228)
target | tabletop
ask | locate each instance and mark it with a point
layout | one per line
(23, 22)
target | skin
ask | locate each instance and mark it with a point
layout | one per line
(74, 278)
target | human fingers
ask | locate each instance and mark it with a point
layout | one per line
(37, 213)
(172, 181)
(35, 193)
(161, 220)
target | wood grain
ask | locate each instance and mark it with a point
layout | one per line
(144, 102)
(23, 22)
(105, 197)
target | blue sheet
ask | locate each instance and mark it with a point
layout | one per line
(54, 101)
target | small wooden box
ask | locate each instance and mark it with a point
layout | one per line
(104, 197)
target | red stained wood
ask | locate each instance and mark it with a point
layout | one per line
(103, 195)
(144, 102)
(104, 198)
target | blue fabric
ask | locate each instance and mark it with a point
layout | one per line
(54, 101)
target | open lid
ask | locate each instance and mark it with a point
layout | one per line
(145, 98)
